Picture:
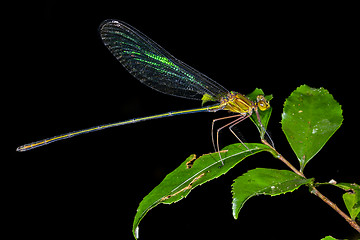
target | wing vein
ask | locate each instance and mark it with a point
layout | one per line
(154, 66)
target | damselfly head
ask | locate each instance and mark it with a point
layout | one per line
(262, 103)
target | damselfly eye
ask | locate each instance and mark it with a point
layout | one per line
(262, 103)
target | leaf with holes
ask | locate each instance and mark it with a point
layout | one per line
(194, 172)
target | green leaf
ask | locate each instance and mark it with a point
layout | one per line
(351, 201)
(351, 198)
(206, 98)
(192, 173)
(328, 238)
(264, 115)
(263, 181)
(310, 117)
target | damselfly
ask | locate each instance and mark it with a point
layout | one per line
(158, 69)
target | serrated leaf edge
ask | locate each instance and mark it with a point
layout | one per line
(261, 192)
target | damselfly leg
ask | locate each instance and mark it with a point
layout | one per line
(240, 118)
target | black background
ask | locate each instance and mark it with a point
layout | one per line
(90, 186)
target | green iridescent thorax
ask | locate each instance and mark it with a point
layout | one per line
(238, 103)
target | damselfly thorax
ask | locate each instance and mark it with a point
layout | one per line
(242, 107)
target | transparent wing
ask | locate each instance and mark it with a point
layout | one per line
(155, 67)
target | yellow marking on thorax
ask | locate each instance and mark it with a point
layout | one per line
(238, 103)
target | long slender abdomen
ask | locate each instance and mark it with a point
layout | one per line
(46, 141)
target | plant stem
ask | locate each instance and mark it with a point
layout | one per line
(314, 191)
(281, 158)
(333, 205)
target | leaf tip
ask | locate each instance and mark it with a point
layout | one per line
(136, 232)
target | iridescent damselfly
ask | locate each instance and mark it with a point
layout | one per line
(158, 69)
